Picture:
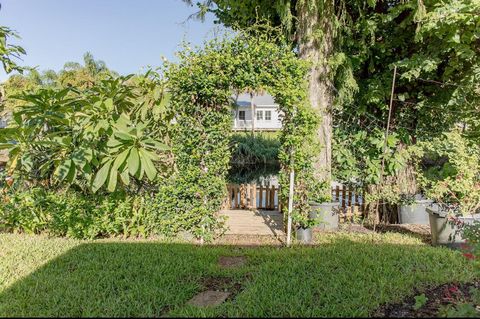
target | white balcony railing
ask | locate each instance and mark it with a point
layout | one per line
(239, 124)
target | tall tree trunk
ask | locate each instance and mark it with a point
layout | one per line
(315, 38)
(406, 178)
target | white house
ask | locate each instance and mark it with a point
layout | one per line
(267, 115)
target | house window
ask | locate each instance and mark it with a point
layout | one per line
(268, 115)
(259, 115)
(241, 115)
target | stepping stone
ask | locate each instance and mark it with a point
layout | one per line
(232, 261)
(209, 298)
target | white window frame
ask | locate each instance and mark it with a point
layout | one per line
(259, 115)
(269, 117)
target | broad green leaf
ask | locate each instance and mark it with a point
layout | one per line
(101, 176)
(63, 169)
(109, 104)
(113, 142)
(124, 136)
(123, 122)
(133, 162)
(27, 162)
(158, 146)
(78, 157)
(72, 173)
(112, 181)
(125, 176)
(150, 155)
(87, 171)
(147, 164)
(120, 159)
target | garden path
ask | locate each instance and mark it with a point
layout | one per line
(254, 222)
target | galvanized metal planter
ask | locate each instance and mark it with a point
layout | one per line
(445, 232)
(326, 214)
(415, 213)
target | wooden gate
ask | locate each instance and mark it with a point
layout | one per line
(252, 196)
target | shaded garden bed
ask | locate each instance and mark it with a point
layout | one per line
(434, 302)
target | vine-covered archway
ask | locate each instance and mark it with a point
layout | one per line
(201, 85)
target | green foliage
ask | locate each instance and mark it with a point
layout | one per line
(182, 201)
(420, 301)
(71, 214)
(73, 74)
(450, 172)
(358, 156)
(258, 149)
(84, 76)
(436, 86)
(15, 85)
(9, 52)
(88, 139)
(462, 310)
(245, 174)
(471, 232)
(201, 85)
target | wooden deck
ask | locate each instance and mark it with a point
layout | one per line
(254, 222)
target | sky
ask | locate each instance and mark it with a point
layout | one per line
(126, 34)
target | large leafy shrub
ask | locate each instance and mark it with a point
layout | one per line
(76, 215)
(450, 172)
(85, 163)
(106, 136)
(259, 149)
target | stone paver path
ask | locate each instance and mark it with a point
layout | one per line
(209, 298)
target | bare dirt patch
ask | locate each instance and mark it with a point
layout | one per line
(355, 228)
(224, 284)
(447, 294)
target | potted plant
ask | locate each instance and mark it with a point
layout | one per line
(407, 192)
(322, 210)
(447, 228)
(304, 228)
(413, 209)
(452, 179)
(324, 214)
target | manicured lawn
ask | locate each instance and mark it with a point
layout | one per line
(347, 275)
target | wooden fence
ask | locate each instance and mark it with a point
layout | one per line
(246, 196)
(252, 196)
(351, 203)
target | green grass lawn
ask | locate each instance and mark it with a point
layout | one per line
(345, 275)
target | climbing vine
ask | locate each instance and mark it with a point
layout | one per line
(201, 85)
